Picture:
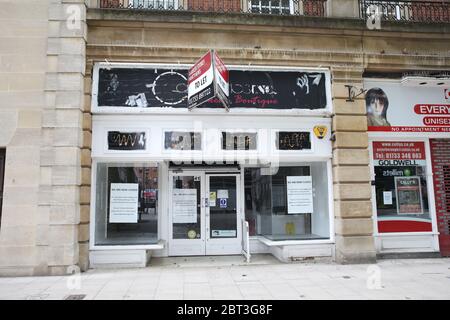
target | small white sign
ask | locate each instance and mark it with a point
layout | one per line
(184, 206)
(387, 197)
(223, 233)
(123, 205)
(299, 194)
(222, 194)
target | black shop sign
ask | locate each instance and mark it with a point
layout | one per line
(140, 88)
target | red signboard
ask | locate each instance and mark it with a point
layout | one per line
(207, 79)
(398, 150)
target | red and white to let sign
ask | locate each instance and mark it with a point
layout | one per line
(208, 78)
(394, 153)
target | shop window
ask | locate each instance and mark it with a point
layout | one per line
(2, 176)
(401, 187)
(126, 210)
(271, 6)
(291, 204)
(177, 140)
(239, 141)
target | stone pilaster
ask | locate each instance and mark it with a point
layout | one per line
(63, 138)
(351, 175)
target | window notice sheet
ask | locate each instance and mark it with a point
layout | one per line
(299, 194)
(123, 206)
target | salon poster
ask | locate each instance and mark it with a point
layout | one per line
(299, 194)
(409, 198)
(184, 205)
(393, 106)
(123, 205)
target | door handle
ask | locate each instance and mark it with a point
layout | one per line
(206, 202)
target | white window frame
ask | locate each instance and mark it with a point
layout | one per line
(251, 6)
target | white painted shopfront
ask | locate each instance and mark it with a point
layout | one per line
(207, 179)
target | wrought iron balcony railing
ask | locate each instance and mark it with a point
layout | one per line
(415, 11)
(273, 7)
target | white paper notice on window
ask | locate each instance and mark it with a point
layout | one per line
(387, 197)
(299, 194)
(222, 194)
(123, 205)
(184, 206)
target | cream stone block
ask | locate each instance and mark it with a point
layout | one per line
(26, 137)
(17, 255)
(351, 174)
(60, 156)
(59, 46)
(350, 157)
(19, 156)
(69, 99)
(85, 195)
(20, 195)
(65, 214)
(352, 191)
(22, 175)
(351, 140)
(62, 118)
(86, 176)
(46, 176)
(343, 107)
(87, 103)
(25, 28)
(87, 85)
(18, 236)
(85, 212)
(59, 255)
(83, 232)
(20, 45)
(64, 81)
(87, 139)
(84, 256)
(358, 249)
(71, 63)
(63, 195)
(43, 216)
(62, 235)
(86, 157)
(67, 137)
(354, 226)
(16, 271)
(349, 123)
(8, 125)
(45, 194)
(19, 215)
(340, 91)
(34, 10)
(87, 121)
(23, 82)
(29, 119)
(23, 62)
(353, 209)
(66, 175)
(42, 235)
(26, 100)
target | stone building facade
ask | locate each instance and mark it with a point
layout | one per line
(47, 57)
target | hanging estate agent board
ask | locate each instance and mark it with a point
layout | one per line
(123, 205)
(299, 194)
(184, 205)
